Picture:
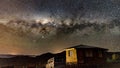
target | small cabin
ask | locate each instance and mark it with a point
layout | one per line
(83, 54)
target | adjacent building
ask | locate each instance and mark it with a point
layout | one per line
(113, 57)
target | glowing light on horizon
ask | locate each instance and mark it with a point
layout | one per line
(14, 53)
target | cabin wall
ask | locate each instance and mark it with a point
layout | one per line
(71, 55)
(91, 56)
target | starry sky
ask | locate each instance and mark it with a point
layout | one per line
(34, 27)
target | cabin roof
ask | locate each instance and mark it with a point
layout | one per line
(113, 53)
(86, 46)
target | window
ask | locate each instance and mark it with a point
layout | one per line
(100, 54)
(70, 53)
(89, 53)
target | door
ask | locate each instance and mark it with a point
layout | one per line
(80, 55)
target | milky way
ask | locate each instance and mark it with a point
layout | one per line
(39, 26)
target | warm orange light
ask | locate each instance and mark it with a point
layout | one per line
(13, 53)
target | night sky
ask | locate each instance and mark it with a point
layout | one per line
(34, 27)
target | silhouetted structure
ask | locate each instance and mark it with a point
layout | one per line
(42, 59)
(58, 61)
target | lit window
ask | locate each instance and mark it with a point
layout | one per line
(70, 53)
(89, 53)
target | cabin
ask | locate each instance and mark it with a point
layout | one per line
(84, 54)
(78, 55)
